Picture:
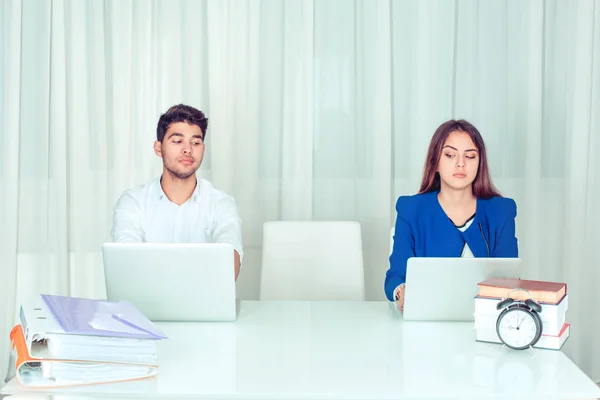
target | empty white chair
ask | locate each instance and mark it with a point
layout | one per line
(312, 260)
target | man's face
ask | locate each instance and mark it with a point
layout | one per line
(181, 150)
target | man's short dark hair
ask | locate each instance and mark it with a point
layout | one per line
(181, 113)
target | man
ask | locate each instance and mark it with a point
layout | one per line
(178, 207)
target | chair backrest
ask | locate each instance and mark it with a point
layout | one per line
(312, 260)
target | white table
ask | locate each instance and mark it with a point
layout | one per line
(340, 350)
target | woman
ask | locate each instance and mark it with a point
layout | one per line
(458, 211)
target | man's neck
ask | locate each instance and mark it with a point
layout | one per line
(178, 190)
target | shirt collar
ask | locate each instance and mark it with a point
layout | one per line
(195, 197)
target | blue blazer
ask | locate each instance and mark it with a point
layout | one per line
(424, 230)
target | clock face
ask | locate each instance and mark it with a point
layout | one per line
(518, 328)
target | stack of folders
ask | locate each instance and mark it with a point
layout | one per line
(552, 296)
(68, 341)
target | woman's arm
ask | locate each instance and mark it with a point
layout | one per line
(403, 248)
(506, 241)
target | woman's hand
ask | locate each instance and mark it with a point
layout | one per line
(399, 296)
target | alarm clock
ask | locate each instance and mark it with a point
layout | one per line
(519, 325)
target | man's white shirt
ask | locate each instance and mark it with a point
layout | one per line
(145, 214)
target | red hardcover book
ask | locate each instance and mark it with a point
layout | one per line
(543, 292)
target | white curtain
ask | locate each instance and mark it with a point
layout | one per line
(318, 109)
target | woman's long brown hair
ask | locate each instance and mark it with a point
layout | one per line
(483, 187)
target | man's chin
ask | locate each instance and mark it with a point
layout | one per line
(183, 175)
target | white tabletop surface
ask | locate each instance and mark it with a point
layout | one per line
(339, 350)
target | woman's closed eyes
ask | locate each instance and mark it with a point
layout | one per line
(451, 155)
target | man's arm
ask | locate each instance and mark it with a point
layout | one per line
(127, 221)
(228, 229)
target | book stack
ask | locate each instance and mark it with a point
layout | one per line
(68, 341)
(552, 296)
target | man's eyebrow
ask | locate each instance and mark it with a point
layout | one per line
(181, 135)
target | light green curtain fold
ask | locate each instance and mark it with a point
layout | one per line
(319, 109)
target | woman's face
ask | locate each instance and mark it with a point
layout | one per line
(459, 161)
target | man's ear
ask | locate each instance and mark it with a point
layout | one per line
(158, 148)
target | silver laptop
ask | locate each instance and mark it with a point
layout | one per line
(443, 289)
(173, 281)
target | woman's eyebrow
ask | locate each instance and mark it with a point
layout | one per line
(455, 149)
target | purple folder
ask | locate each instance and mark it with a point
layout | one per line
(101, 318)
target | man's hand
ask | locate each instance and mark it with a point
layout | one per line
(236, 263)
